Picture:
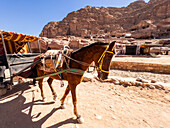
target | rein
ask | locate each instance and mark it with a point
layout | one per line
(80, 62)
(60, 72)
(100, 61)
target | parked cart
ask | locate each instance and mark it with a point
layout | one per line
(15, 55)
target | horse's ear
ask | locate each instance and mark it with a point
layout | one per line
(111, 46)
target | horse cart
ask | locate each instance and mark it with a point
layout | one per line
(16, 57)
(72, 67)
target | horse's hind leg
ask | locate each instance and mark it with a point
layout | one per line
(73, 92)
(40, 82)
(50, 80)
(64, 96)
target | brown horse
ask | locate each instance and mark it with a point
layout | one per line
(80, 60)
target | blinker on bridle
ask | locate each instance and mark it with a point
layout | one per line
(100, 61)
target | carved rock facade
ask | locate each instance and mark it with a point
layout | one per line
(143, 20)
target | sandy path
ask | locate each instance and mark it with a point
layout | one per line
(102, 105)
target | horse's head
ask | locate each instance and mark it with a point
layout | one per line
(105, 60)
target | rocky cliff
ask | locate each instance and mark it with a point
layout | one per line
(142, 20)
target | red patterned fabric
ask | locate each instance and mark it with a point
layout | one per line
(14, 42)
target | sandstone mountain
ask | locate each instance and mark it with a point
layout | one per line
(142, 20)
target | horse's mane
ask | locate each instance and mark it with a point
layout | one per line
(88, 46)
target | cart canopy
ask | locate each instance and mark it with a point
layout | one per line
(15, 42)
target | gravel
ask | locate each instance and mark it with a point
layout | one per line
(165, 78)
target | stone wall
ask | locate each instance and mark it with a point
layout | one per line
(139, 66)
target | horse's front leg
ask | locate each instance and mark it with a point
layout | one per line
(50, 80)
(64, 96)
(40, 82)
(74, 98)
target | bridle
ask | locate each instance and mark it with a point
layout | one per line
(100, 61)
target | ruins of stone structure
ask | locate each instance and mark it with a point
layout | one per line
(58, 43)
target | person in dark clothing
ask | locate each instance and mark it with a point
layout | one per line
(3, 64)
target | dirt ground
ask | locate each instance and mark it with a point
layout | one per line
(102, 105)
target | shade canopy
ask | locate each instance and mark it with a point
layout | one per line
(12, 36)
(15, 42)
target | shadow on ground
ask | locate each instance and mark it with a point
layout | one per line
(11, 110)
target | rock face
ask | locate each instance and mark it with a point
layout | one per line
(142, 20)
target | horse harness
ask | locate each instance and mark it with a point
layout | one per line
(56, 62)
(75, 71)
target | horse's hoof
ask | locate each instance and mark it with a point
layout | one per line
(80, 120)
(44, 99)
(63, 106)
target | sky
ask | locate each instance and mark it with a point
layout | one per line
(30, 16)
